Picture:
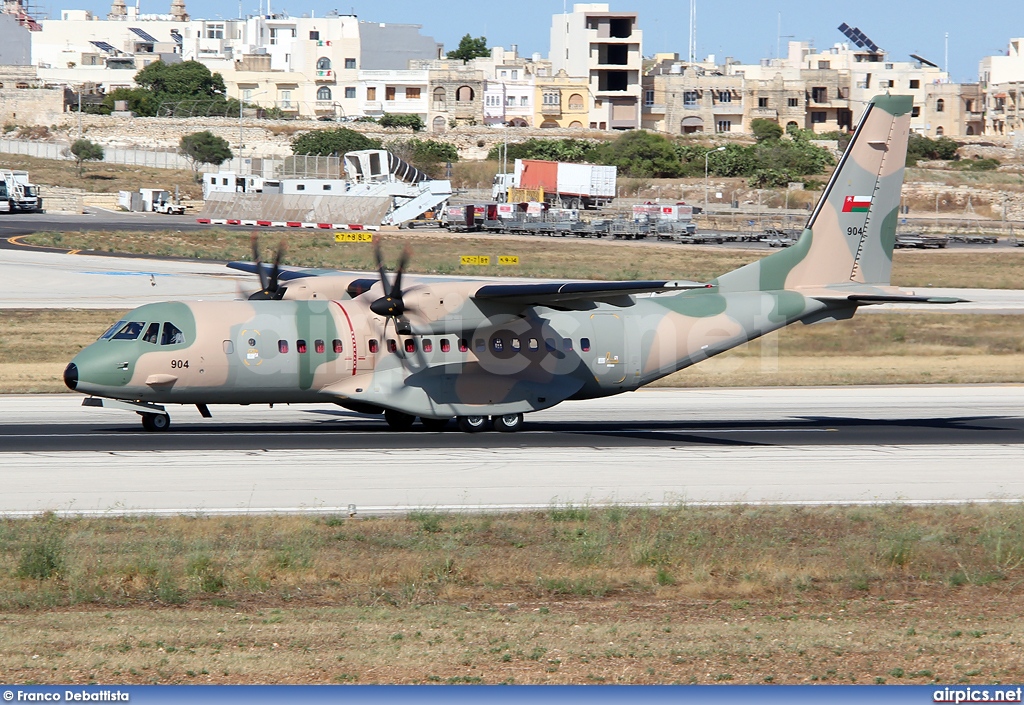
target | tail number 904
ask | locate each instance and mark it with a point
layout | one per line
(859, 232)
(179, 364)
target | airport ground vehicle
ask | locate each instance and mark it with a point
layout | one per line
(561, 184)
(21, 194)
(922, 241)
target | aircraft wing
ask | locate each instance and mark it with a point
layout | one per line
(285, 275)
(557, 292)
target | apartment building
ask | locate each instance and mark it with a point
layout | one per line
(683, 98)
(606, 47)
(303, 66)
(1002, 80)
(561, 101)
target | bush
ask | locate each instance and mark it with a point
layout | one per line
(337, 141)
(920, 147)
(415, 122)
(565, 150)
(765, 129)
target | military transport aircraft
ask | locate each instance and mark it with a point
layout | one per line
(485, 353)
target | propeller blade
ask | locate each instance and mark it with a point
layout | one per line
(255, 240)
(380, 268)
(396, 288)
(273, 287)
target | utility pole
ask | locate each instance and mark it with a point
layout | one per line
(706, 155)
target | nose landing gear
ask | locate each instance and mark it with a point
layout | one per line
(155, 422)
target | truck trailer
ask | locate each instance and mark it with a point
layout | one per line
(560, 184)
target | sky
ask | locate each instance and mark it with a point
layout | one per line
(747, 30)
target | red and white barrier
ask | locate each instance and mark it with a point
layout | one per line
(287, 224)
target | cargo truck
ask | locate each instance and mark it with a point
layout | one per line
(22, 194)
(558, 183)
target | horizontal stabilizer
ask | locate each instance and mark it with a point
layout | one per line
(868, 299)
(555, 292)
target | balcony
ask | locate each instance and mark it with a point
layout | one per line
(654, 108)
(325, 76)
(323, 106)
(546, 109)
(731, 108)
(373, 106)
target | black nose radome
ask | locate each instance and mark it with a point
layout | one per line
(71, 376)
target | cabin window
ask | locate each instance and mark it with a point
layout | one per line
(549, 344)
(392, 345)
(373, 346)
(229, 347)
(463, 345)
(336, 345)
(481, 345)
(585, 344)
(152, 333)
(410, 345)
(171, 335)
(445, 345)
(427, 345)
(130, 331)
(319, 347)
(567, 344)
(282, 346)
(497, 345)
(110, 331)
(300, 347)
(533, 344)
(514, 344)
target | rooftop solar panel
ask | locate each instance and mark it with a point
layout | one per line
(146, 36)
(103, 46)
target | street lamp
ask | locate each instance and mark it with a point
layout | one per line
(706, 155)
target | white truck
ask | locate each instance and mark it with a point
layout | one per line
(561, 184)
(149, 200)
(21, 194)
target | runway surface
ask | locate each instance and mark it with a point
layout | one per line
(808, 445)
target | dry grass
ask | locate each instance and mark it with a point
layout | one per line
(100, 177)
(438, 252)
(571, 595)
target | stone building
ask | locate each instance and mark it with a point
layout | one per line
(456, 93)
(683, 98)
(607, 48)
(1002, 80)
(561, 101)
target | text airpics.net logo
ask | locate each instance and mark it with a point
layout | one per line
(856, 204)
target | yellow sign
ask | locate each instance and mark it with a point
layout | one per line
(353, 236)
(475, 260)
(508, 259)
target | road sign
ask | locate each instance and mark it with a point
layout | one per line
(475, 260)
(353, 237)
(510, 260)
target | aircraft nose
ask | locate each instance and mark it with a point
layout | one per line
(71, 376)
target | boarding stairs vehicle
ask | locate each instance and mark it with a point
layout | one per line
(378, 172)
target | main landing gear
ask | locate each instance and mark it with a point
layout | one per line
(505, 423)
(155, 422)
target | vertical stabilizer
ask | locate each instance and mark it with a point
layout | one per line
(850, 235)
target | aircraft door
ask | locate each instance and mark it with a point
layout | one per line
(609, 362)
(356, 357)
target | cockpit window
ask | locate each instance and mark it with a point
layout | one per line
(130, 331)
(152, 333)
(172, 336)
(110, 331)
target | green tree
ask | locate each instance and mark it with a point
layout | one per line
(188, 79)
(336, 141)
(765, 130)
(140, 101)
(204, 147)
(564, 150)
(921, 147)
(470, 48)
(640, 153)
(415, 122)
(84, 150)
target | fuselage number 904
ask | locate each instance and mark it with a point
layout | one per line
(179, 364)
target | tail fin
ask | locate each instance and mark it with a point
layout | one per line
(850, 235)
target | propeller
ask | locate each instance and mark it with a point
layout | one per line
(390, 305)
(270, 288)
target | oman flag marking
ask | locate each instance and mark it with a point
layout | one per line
(856, 204)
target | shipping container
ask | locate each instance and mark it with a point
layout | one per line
(566, 184)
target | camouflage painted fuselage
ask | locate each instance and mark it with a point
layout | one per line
(465, 348)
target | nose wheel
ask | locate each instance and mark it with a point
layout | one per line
(156, 422)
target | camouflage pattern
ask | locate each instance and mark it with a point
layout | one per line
(523, 348)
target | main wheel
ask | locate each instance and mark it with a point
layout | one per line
(507, 423)
(398, 421)
(156, 422)
(472, 424)
(434, 424)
